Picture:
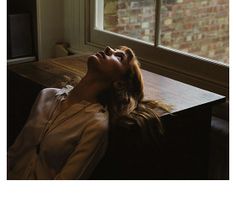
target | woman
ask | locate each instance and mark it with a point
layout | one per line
(66, 134)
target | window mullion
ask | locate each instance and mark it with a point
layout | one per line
(157, 22)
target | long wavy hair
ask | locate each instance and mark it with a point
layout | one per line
(127, 107)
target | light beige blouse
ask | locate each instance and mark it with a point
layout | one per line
(55, 145)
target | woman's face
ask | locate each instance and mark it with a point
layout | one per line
(110, 64)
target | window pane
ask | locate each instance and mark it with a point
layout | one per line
(200, 27)
(135, 19)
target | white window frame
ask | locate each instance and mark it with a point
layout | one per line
(199, 71)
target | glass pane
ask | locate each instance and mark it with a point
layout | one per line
(135, 19)
(199, 27)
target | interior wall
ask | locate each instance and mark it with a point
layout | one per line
(26, 6)
(50, 24)
(75, 27)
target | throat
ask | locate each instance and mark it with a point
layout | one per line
(83, 91)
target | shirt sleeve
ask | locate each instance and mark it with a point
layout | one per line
(87, 153)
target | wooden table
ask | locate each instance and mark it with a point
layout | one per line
(185, 152)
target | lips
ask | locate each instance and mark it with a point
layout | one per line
(101, 54)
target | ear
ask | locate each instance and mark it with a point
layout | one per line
(119, 85)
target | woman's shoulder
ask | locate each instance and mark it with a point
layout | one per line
(49, 91)
(52, 92)
(47, 94)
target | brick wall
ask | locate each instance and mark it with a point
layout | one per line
(195, 26)
(132, 18)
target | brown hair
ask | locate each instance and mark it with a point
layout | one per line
(127, 106)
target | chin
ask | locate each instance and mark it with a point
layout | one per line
(92, 58)
(93, 62)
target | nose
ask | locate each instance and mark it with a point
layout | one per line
(108, 50)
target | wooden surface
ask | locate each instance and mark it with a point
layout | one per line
(53, 72)
(69, 70)
(179, 95)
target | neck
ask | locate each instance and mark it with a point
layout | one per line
(87, 89)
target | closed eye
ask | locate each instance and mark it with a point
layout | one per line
(120, 56)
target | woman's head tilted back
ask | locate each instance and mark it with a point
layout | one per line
(119, 69)
(120, 72)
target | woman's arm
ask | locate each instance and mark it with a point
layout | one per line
(87, 153)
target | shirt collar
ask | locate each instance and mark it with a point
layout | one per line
(65, 90)
(90, 107)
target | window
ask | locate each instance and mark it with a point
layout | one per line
(198, 27)
(135, 19)
(152, 29)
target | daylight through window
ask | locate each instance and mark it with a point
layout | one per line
(198, 27)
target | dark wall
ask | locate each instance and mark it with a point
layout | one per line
(21, 94)
(25, 6)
